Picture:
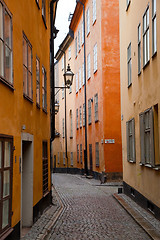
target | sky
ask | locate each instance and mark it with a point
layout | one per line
(64, 8)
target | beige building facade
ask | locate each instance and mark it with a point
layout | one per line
(140, 99)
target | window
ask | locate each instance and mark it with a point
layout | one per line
(83, 74)
(97, 153)
(63, 127)
(58, 158)
(139, 48)
(80, 83)
(88, 22)
(45, 167)
(82, 33)
(80, 117)
(88, 66)
(37, 1)
(77, 153)
(146, 37)
(77, 117)
(71, 118)
(5, 45)
(81, 153)
(76, 51)
(130, 132)
(76, 82)
(71, 158)
(128, 3)
(89, 112)
(70, 89)
(95, 57)
(79, 41)
(96, 107)
(129, 65)
(44, 89)
(147, 137)
(37, 82)
(44, 10)
(94, 10)
(69, 53)
(83, 114)
(6, 168)
(27, 68)
(154, 26)
(64, 159)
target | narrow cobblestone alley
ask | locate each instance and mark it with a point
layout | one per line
(91, 212)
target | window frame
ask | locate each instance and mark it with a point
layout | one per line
(81, 153)
(77, 153)
(97, 154)
(71, 158)
(44, 88)
(63, 128)
(3, 139)
(146, 47)
(76, 49)
(44, 11)
(128, 2)
(94, 16)
(88, 21)
(83, 114)
(71, 122)
(26, 95)
(37, 83)
(129, 65)
(89, 112)
(77, 82)
(77, 118)
(154, 31)
(95, 58)
(88, 66)
(80, 82)
(139, 48)
(80, 117)
(5, 45)
(96, 107)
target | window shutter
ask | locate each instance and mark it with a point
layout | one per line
(151, 137)
(127, 134)
(142, 137)
(133, 140)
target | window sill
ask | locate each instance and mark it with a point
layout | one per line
(128, 6)
(44, 20)
(27, 98)
(45, 194)
(154, 55)
(71, 137)
(7, 83)
(139, 73)
(88, 34)
(96, 121)
(131, 161)
(44, 110)
(94, 22)
(80, 127)
(88, 78)
(89, 123)
(129, 85)
(146, 65)
(38, 105)
(37, 4)
(6, 233)
(95, 71)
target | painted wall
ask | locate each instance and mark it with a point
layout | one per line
(15, 110)
(141, 95)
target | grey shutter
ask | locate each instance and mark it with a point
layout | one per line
(152, 161)
(127, 135)
(133, 141)
(141, 116)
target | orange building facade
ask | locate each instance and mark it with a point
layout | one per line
(24, 114)
(101, 66)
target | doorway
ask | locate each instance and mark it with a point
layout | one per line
(27, 184)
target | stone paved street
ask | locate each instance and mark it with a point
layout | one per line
(90, 212)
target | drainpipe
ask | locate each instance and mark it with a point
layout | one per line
(85, 92)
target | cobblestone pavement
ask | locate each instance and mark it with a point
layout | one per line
(90, 212)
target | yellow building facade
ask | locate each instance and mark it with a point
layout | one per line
(24, 113)
(140, 99)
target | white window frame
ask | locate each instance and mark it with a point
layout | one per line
(80, 116)
(95, 57)
(76, 50)
(88, 22)
(129, 64)
(88, 66)
(154, 26)
(77, 118)
(94, 10)
(79, 41)
(71, 158)
(89, 112)
(139, 48)
(97, 153)
(80, 83)
(83, 74)
(96, 107)
(82, 33)
(76, 82)
(130, 133)
(146, 37)
(69, 53)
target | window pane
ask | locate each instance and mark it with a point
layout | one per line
(8, 64)
(154, 7)
(29, 85)
(1, 21)
(1, 59)
(24, 52)
(29, 59)
(25, 80)
(144, 23)
(6, 183)
(7, 154)
(5, 217)
(148, 17)
(7, 29)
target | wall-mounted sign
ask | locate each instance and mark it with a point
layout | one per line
(111, 141)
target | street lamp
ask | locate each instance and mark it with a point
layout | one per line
(68, 77)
